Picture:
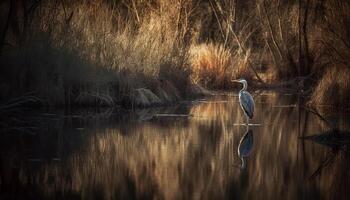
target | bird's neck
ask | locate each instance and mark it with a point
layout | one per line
(244, 87)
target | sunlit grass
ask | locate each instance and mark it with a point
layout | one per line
(211, 65)
(89, 54)
(92, 52)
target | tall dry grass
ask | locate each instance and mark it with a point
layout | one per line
(331, 49)
(91, 53)
(117, 47)
(214, 66)
(211, 65)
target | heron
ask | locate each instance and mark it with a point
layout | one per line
(246, 100)
(245, 147)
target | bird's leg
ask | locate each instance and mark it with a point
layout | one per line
(247, 122)
(244, 163)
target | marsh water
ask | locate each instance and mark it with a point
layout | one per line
(188, 151)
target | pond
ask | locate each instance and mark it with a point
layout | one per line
(188, 151)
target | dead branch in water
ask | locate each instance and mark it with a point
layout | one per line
(17, 102)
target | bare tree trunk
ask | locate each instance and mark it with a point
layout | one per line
(250, 64)
(273, 55)
(235, 15)
(136, 11)
(286, 50)
(218, 20)
(3, 34)
(271, 31)
(25, 22)
(300, 59)
(305, 39)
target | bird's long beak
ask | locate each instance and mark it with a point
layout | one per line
(235, 81)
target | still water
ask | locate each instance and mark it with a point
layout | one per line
(189, 151)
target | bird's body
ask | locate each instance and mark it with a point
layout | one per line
(245, 147)
(246, 100)
(247, 103)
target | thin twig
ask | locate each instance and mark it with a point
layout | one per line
(271, 30)
(217, 18)
(245, 53)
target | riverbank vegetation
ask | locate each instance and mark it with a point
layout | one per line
(155, 52)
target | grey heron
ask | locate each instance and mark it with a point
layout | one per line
(245, 147)
(246, 100)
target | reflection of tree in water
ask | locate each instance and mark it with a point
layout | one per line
(187, 157)
(331, 169)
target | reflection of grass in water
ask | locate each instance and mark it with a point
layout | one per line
(215, 111)
(195, 160)
(169, 161)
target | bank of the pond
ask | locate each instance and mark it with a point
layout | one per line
(163, 94)
(110, 53)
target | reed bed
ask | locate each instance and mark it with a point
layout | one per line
(99, 52)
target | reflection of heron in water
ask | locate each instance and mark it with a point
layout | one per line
(245, 147)
(246, 100)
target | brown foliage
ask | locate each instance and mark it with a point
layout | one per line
(333, 88)
(211, 65)
(123, 44)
